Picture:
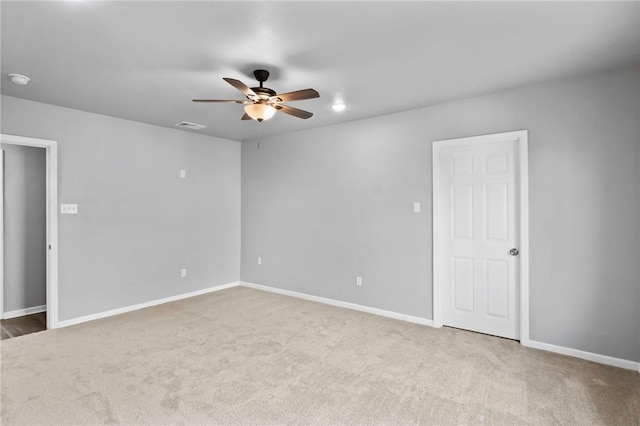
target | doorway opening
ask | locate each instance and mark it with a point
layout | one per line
(480, 234)
(51, 240)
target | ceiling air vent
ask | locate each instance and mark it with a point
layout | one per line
(192, 126)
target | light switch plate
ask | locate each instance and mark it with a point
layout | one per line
(416, 207)
(68, 209)
(183, 174)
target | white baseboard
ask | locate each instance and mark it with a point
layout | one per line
(25, 311)
(589, 356)
(341, 304)
(602, 359)
(118, 311)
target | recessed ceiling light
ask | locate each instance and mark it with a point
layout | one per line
(19, 79)
(338, 107)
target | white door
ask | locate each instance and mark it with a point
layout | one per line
(480, 233)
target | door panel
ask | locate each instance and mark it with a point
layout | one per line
(479, 214)
(463, 212)
(463, 286)
(462, 165)
(497, 211)
(497, 163)
(497, 279)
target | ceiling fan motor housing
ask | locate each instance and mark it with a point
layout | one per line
(264, 92)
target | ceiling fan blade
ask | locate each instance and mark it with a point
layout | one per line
(293, 111)
(298, 95)
(241, 87)
(220, 101)
(246, 117)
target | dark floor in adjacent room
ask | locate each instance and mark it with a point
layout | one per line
(20, 326)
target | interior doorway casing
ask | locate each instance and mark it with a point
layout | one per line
(521, 138)
(51, 148)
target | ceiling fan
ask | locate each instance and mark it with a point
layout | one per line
(262, 103)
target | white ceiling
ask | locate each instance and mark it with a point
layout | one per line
(145, 61)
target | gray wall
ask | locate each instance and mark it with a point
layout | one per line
(25, 227)
(325, 205)
(138, 222)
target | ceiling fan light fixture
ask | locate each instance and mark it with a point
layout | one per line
(260, 112)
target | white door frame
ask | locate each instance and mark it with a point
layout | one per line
(521, 139)
(51, 148)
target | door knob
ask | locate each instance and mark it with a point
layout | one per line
(514, 252)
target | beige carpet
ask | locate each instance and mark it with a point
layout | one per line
(242, 356)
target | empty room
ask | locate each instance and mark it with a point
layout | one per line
(320, 212)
